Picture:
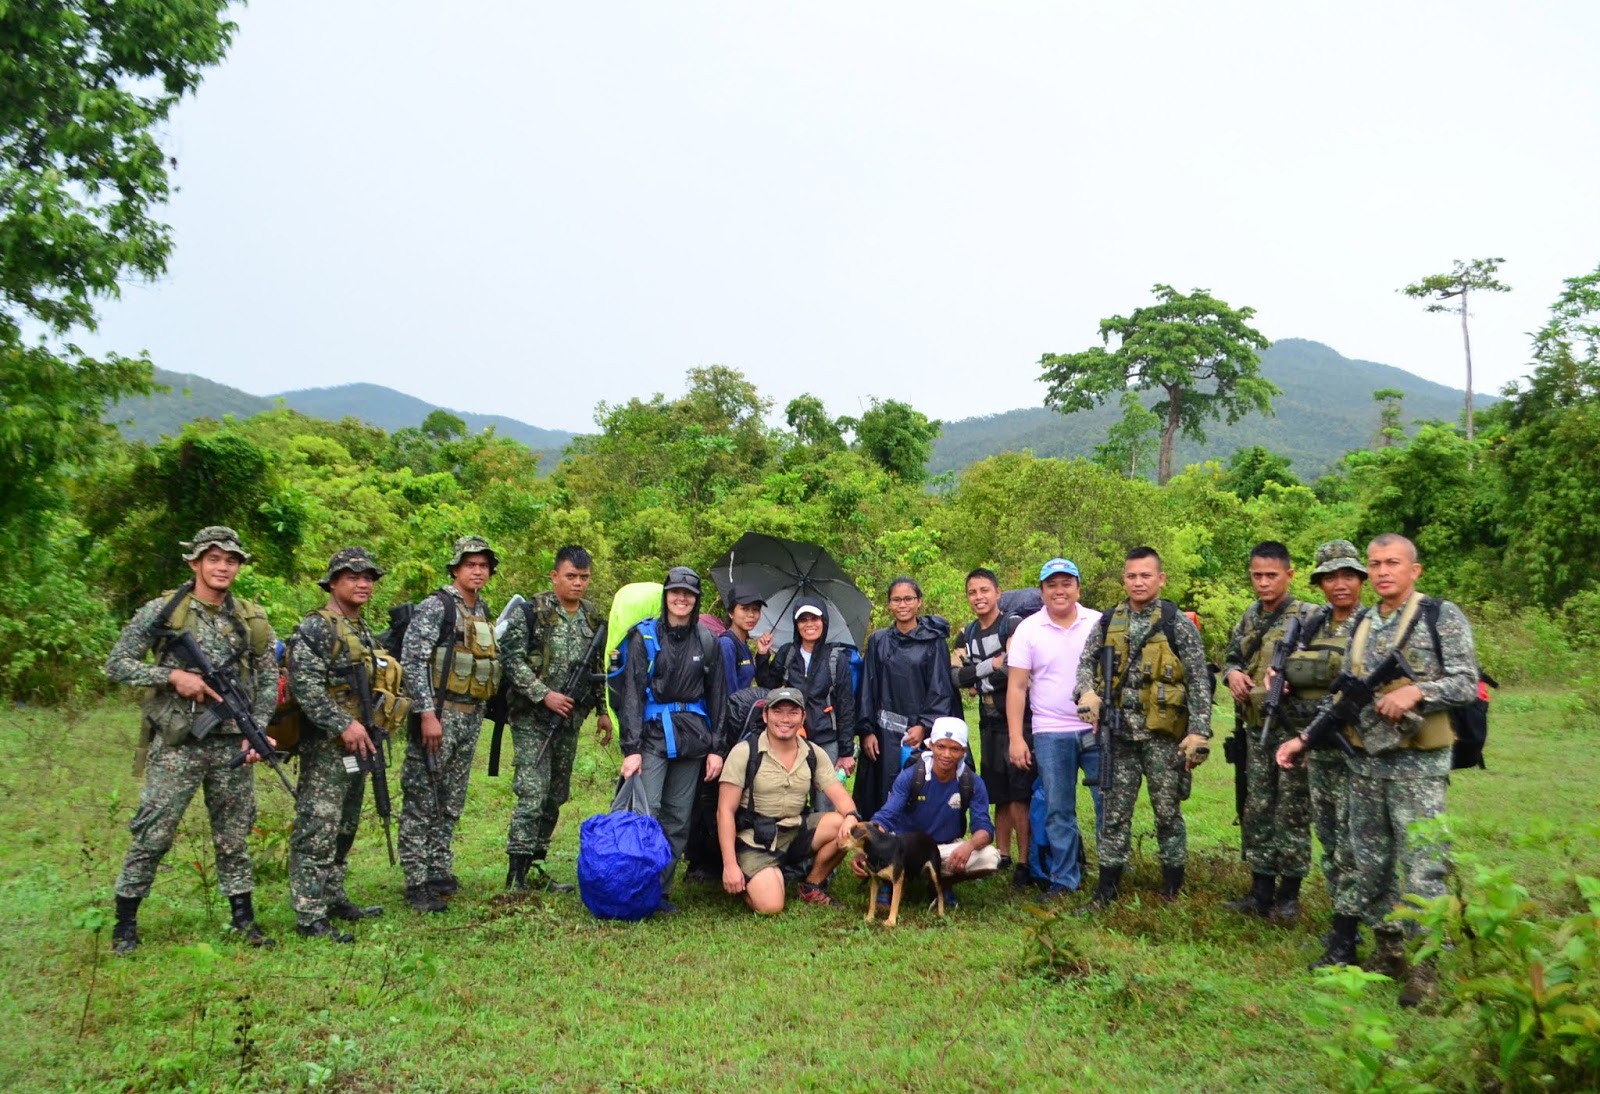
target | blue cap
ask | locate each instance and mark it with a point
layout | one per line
(1059, 566)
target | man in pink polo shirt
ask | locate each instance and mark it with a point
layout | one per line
(1043, 668)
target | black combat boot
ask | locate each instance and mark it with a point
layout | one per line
(1286, 904)
(1258, 901)
(517, 871)
(350, 911)
(423, 899)
(1106, 888)
(125, 932)
(322, 929)
(542, 881)
(1341, 943)
(244, 920)
(1171, 882)
(444, 887)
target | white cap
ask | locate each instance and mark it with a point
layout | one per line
(948, 729)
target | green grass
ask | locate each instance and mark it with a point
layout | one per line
(535, 994)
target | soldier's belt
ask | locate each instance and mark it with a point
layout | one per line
(462, 706)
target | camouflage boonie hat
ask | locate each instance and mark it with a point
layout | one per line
(215, 535)
(473, 545)
(354, 559)
(1340, 554)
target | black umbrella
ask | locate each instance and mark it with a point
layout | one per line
(785, 573)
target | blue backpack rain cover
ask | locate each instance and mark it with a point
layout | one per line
(620, 857)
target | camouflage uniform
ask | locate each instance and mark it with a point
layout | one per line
(433, 804)
(544, 744)
(175, 771)
(1276, 826)
(1328, 779)
(1155, 758)
(328, 810)
(1392, 783)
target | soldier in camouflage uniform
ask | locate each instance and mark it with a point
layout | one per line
(539, 648)
(450, 674)
(231, 632)
(1401, 768)
(325, 653)
(1276, 824)
(1165, 736)
(1340, 573)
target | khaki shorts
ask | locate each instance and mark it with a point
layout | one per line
(798, 852)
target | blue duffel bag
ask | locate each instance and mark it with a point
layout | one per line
(621, 855)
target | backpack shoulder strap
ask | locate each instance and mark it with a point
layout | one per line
(1430, 615)
(1169, 623)
(966, 784)
(447, 624)
(162, 624)
(919, 782)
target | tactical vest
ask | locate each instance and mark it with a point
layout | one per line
(390, 707)
(471, 662)
(1162, 685)
(544, 615)
(1436, 731)
(1321, 657)
(1261, 657)
(165, 713)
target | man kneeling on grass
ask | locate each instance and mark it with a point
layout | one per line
(763, 822)
(939, 796)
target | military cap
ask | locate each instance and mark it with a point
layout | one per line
(1339, 554)
(473, 545)
(354, 559)
(215, 535)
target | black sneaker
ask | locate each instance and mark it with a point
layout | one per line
(1022, 877)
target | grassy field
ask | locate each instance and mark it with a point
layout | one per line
(535, 994)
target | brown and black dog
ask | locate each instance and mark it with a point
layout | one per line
(891, 859)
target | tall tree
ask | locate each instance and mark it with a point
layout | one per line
(1447, 292)
(1390, 414)
(897, 437)
(1199, 352)
(85, 88)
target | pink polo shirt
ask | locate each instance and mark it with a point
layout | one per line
(1050, 653)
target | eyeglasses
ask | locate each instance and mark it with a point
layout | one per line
(904, 599)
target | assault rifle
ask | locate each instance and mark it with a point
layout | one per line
(1354, 694)
(233, 706)
(579, 685)
(377, 764)
(1111, 718)
(1275, 677)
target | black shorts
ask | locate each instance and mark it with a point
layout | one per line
(1004, 782)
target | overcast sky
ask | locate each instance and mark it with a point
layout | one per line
(528, 207)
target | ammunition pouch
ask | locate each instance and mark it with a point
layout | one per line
(167, 715)
(390, 708)
(1312, 670)
(471, 677)
(1163, 691)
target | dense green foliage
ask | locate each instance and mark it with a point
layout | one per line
(1503, 523)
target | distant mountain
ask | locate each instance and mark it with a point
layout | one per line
(1326, 410)
(194, 397)
(389, 409)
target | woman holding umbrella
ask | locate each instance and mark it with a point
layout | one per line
(905, 685)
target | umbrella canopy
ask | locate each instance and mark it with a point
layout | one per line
(785, 572)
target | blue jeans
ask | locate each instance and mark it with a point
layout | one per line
(1059, 757)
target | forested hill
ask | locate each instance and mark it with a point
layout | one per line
(1326, 410)
(193, 397)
